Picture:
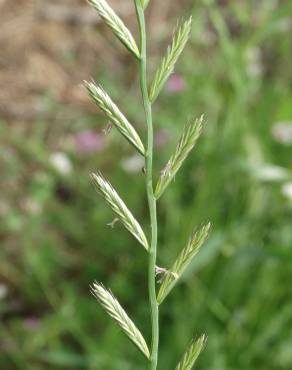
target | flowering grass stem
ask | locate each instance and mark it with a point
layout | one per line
(188, 139)
(149, 187)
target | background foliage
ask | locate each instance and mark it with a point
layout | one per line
(54, 234)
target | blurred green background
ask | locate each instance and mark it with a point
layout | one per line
(54, 235)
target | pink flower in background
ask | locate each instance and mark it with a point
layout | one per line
(161, 138)
(176, 83)
(31, 323)
(89, 141)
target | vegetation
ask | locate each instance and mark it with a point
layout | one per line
(189, 137)
(236, 70)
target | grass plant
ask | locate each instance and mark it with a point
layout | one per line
(189, 137)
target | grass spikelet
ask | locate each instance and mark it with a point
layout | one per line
(115, 310)
(104, 102)
(119, 208)
(116, 24)
(183, 260)
(167, 64)
(192, 353)
(189, 137)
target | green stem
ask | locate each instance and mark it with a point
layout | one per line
(149, 188)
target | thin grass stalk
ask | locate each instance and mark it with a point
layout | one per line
(149, 187)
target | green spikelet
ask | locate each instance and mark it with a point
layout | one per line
(189, 137)
(115, 311)
(104, 102)
(183, 260)
(116, 24)
(119, 208)
(192, 353)
(167, 64)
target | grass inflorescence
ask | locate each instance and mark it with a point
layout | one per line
(188, 139)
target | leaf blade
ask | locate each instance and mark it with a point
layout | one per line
(116, 24)
(167, 64)
(119, 208)
(111, 305)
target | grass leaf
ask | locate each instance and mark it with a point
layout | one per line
(116, 24)
(183, 260)
(167, 64)
(115, 310)
(188, 139)
(104, 102)
(119, 208)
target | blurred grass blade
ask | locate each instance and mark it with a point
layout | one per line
(144, 3)
(189, 137)
(119, 208)
(116, 24)
(104, 102)
(167, 64)
(182, 261)
(115, 310)
(192, 353)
